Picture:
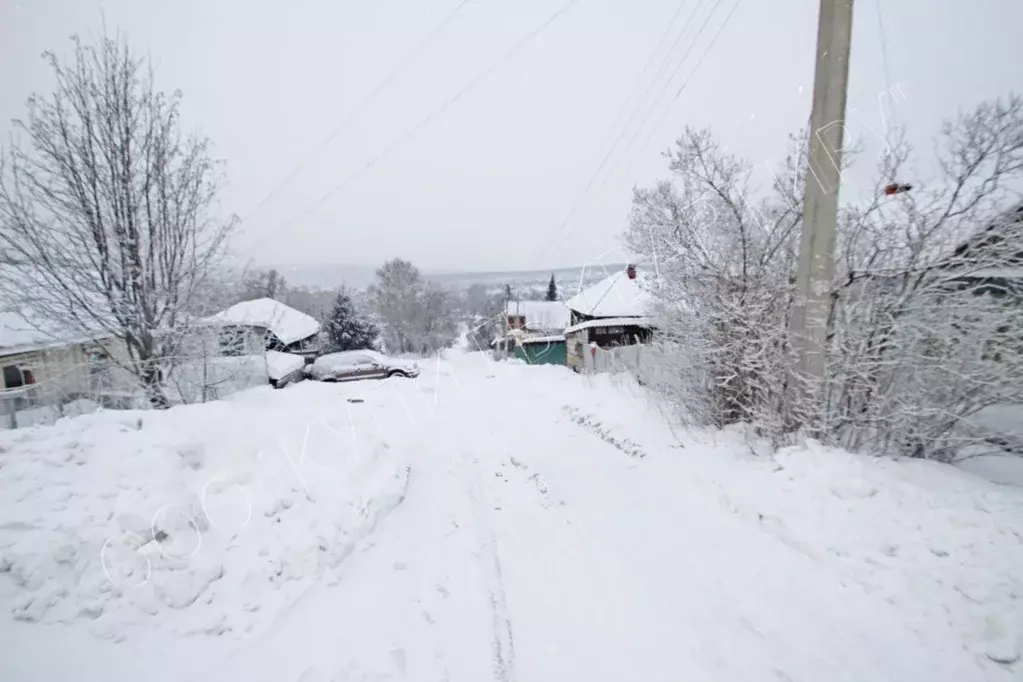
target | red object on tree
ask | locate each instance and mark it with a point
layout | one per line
(896, 188)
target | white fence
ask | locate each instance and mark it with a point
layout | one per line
(194, 380)
(617, 359)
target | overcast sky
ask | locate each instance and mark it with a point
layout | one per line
(489, 181)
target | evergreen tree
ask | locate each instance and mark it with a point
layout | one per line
(552, 289)
(347, 328)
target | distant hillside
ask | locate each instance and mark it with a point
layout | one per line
(327, 276)
(524, 283)
(528, 284)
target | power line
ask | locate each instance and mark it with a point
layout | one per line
(359, 109)
(642, 75)
(884, 46)
(685, 83)
(596, 173)
(887, 72)
(681, 89)
(646, 117)
(433, 115)
(678, 67)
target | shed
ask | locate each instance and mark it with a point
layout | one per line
(265, 324)
(542, 350)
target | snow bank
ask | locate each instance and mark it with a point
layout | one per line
(1003, 469)
(203, 519)
(939, 544)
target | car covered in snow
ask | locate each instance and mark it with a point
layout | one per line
(354, 365)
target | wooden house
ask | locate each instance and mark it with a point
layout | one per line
(612, 313)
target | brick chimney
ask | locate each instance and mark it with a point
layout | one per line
(630, 270)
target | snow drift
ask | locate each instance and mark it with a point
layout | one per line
(202, 519)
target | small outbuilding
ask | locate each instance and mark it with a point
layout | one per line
(542, 350)
(265, 325)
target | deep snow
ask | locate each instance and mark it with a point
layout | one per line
(489, 521)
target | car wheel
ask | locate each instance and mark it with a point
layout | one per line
(397, 373)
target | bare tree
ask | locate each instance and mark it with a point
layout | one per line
(396, 300)
(483, 315)
(927, 304)
(927, 300)
(415, 316)
(436, 326)
(107, 210)
(258, 283)
(723, 266)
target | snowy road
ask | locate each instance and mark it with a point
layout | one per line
(529, 548)
(538, 542)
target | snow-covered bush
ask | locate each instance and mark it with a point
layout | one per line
(926, 302)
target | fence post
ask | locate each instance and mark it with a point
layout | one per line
(10, 407)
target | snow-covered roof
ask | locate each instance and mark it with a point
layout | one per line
(613, 322)
(554, 338)
(541, 315)
(21, 332)
(287, 324)
(614, 296)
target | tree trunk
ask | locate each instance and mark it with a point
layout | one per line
(152, 382)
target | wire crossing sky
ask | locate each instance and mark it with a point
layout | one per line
(298, 98)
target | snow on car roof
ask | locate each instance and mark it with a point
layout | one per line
(287, 324)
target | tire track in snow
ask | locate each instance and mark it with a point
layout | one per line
(503, 643)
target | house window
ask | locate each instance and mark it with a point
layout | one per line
(14, 377)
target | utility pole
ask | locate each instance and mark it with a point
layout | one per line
(820, 210)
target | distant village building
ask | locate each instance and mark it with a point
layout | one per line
(613, 313)
(533, 332)
(536, 317)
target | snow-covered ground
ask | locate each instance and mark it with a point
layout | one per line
(489, 522)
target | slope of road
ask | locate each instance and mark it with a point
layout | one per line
(552, 527)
